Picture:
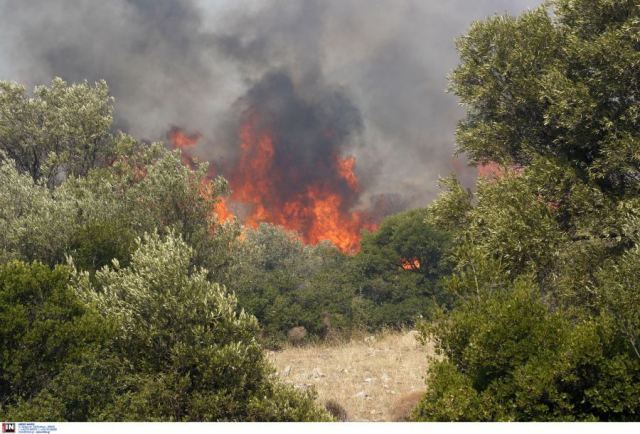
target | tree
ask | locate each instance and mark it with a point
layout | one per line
(545, 325)
(397, 272)
(287, 284)
(561, 84)
(96, 218)
(61, 130)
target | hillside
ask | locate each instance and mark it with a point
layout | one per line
(368, 376)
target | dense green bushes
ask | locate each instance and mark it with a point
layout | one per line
(151, 341)
(545, 324)
(286, 284)
(397, 273)
(44, 328)
(507, 357)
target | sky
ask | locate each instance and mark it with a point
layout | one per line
(194, 63)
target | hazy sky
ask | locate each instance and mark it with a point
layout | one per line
(188, 63)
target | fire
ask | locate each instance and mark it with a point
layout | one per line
(317, 211)
(263, 189)
(182, 140)
(490, 170)
(410, 264)
(346, 169)
(495, 171)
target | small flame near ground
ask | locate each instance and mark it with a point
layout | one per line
(317, 211)
(410, 264)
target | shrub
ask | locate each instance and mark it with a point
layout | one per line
(47, 336)
(194, 355)
(509, 358)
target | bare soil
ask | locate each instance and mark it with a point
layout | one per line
(371, 376)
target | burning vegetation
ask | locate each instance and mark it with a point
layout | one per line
(264, 190)
(290, 169)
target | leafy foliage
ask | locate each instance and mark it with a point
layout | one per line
(560, 84)
(47, 334)
(396, 274)
(196, 356)
(152, 341)
(62, 130)
(96, 218)
(545, 326)
(509, 358)
(286, 284)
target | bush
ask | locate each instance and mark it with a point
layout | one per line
(194, 355)
(286, 284)
(47, 334)
(507, 357)
(396, 275)
(153, 341)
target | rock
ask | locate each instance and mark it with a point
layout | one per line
(336, 410)
(296, 335)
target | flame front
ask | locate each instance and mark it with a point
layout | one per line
(181, 139)
(317, 211)
(264, 191)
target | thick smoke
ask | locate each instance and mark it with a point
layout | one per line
(374, 70)
(309, 132)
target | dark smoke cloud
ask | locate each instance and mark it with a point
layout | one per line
(310, 130)
(193, 63)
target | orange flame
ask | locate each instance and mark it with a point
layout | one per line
(317, 212)
(182, 140)
(410, 264)
(346, 171)
(494, 171)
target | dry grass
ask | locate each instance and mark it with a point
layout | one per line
(368, 376)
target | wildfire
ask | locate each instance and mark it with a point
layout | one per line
(490, 170)
(266, 190)
(410, 264)
(495, 171)
(182, 140)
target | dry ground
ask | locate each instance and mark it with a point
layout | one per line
(368, 375)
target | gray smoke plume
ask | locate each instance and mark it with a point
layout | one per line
(193, 64)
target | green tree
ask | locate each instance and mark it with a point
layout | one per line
(61, 130)
(397, 272)
(560, 83)
(96, 218)
(545, 324)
